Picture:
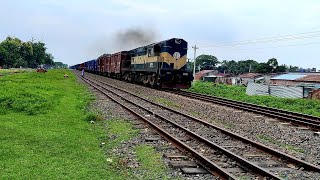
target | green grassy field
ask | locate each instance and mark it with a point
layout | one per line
(4, 72)
(306, 106)
(46, 133)
(150, 163)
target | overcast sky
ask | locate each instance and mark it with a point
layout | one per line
(76, 30)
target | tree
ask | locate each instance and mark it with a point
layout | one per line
(293, 68)
(16, 53)
(14, 49)
(190, 65)
(263, 68)
(239, 67)
(281, 68)
(206, 61)
(3, 55)
(247, 66)
(58, 65)
(39, 53)
(273, 63)
(48, 59)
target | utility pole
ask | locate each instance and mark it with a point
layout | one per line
(194, 60)
(250, 68)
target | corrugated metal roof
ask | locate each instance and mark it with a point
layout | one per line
(310, 78)
(217, 75)
(288, 77)
(249, 75)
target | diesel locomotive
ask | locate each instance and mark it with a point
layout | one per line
(162, 64)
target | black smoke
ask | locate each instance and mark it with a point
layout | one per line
(122, 40)
(135, 37)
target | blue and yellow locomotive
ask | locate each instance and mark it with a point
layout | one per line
(162, 64)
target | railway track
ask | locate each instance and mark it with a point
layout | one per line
(220, 151)
(288, 116)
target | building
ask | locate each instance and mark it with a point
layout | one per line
(220, 78)
(244, 79)
(200, 74)
(296, 79)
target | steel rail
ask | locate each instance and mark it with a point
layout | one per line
(205, 162)
(312, 122)
(254, 168)
(304, 164)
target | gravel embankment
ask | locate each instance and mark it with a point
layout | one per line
(303, 144)
(112, 110)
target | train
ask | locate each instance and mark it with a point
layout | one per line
(162, 65)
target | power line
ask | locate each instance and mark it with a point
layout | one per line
(292, 45)
(312, 34)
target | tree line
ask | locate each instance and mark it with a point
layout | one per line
(208, 62)
(15, 53)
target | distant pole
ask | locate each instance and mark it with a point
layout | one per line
(250, 69)
(194, 59)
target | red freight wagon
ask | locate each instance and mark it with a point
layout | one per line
(100, 64)
(113, 63)
(102, 60)
(108, 65)
(81, 66)
(117, 60)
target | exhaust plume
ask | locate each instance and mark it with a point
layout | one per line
(122, 40)
(135, 37)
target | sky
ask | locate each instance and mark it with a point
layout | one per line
(77, 30)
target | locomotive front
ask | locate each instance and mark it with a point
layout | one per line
(174, 72)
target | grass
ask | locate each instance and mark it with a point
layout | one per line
(194, 113)
(44, 131)
(118, 131)
(150, 164)
(167, 103)
(244, 178)
(228, 125)
(4, 72)
(306, 106)
(273, 141)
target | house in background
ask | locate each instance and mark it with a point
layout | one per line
(220, 78)
(296, 79)
(244, 79)
(200, 74)
(310, 82)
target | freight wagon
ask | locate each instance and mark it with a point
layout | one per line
(162, 64)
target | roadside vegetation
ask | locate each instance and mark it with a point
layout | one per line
(150, 164)
(268, 139)
(44, 132)
(306, 106)
(167, 102)
(4, 72)
(47, 132)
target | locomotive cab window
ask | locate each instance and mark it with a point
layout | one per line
(149, 52)
(156, 50)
